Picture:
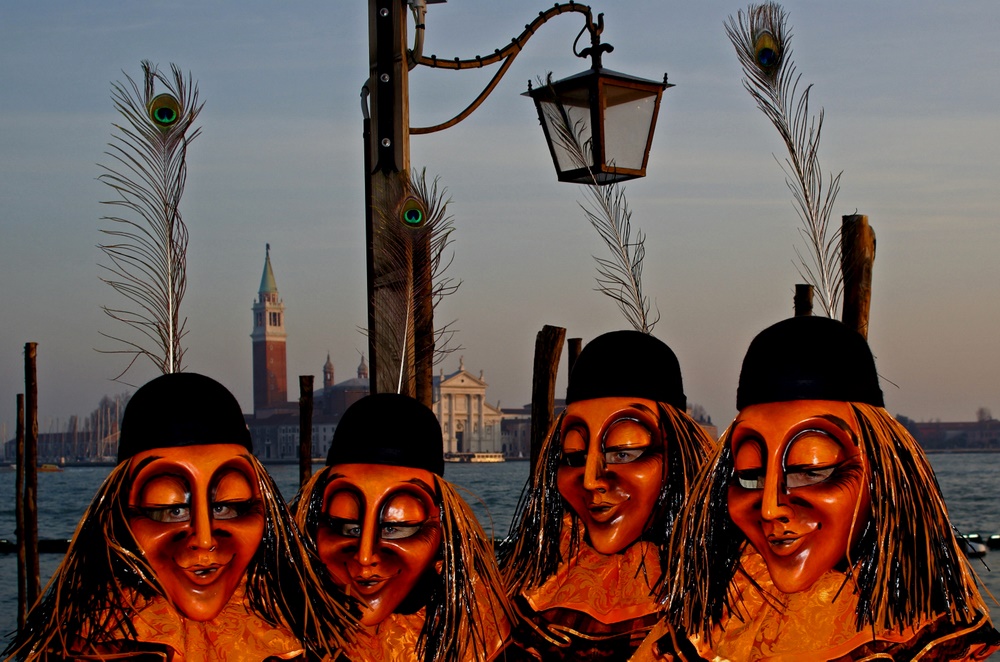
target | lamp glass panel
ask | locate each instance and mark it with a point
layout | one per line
(579, 120)
(628, 117)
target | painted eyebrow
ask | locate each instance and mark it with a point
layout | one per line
(423, 486)
(842, 424)
(143, 464)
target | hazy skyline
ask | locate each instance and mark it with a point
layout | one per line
(911, 93)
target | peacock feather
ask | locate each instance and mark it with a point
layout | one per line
(763, 45)
(410, 240)
(147, 250)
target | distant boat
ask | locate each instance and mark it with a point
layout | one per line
(42, 468)
(474, 457)
(972, 545)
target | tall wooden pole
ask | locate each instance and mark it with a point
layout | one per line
(857, 256)
(548, 349)
(32, 585)
(305, 428)
(22, 550)
(387, 160)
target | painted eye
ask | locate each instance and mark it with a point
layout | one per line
(399, 531)
(576, 459)
(169, 514)
(623, 455)
(231, 509)
(750, 479)
(803, 477)
(344, 527)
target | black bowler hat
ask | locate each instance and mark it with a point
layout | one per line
(181, 409)
(808, 358)
(386, 428)
(627, 364)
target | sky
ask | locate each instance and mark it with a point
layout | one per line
(910, 90)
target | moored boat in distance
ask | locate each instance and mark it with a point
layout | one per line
(474, 457)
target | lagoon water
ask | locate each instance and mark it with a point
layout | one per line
(970, 483)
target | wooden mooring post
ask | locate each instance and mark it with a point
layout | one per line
(22, 575)
(28, 535)
(857, 256)
(548, 349)
(305, 428)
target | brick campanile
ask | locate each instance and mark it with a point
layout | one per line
(270, 375)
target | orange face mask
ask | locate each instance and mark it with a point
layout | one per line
(196, 513)
(380, 534)
(612, 468)
(800, 491)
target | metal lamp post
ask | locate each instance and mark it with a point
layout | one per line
(614, 114)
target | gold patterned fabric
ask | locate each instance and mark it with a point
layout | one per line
(817, 625)
(609, 587)
(594, 606)
(395, 638)
(235, 635)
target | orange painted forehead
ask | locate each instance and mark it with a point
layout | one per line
(374, 484)
(775, 425)
(192, 465)
(597, 413)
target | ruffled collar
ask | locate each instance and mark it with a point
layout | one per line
(237, 634)
(819, 623)
(608, 587)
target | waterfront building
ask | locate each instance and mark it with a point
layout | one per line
(470, 424)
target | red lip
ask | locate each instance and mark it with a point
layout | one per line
(787, 544)
(603, 512)
(203, 575)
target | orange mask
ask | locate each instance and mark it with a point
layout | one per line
(196, 514)
(612, 468)
(800, 492)
(380, 534)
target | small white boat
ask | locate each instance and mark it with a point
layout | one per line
(973, 545)
(474, 457)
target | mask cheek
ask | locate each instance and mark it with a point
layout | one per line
(158, 541)
(240, 537)
(336, 552)
(744, 511)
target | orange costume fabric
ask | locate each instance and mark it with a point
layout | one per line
(235, 635)
(395, 639)
(817, 625)
(594, 607)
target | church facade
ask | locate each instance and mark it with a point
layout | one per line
(470, 424)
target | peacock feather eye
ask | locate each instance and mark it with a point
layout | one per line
(164, 111)
(412, 213)
(767, 52)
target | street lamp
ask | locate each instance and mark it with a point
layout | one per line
(613, 114)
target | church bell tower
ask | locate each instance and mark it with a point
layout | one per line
(270, 374)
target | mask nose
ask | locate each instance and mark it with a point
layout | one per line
(594, 471)
(775, 503)
(201, 527)
(368, 543)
